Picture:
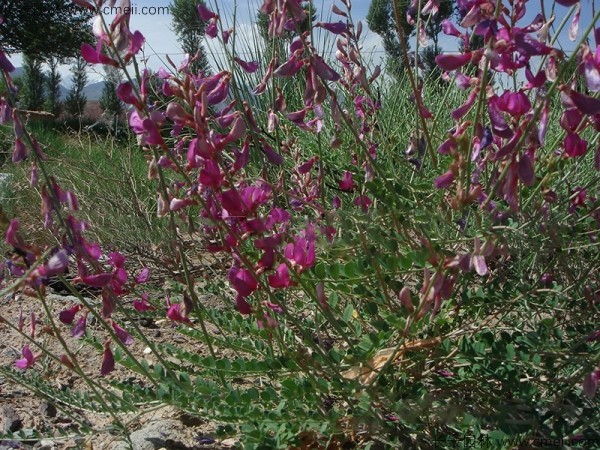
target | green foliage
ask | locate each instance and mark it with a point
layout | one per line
(53, 79)
(109, 101)
(189, 28)
(340, 358)
(381, 20)
(44, 29)
(33, 94)
(76, 99)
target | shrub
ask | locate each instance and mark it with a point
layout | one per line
(370, 296)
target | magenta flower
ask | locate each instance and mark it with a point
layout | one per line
(68, 315)
(444, 181)
(567, 3)
(290, 68)
(21, 152)
(526, 169)
(5, 63)
(591, 68)
(78, 331)
(452, 62)
(205, 13)
(272, 156)
(249, 67)
(363, 201)
(323, 69)
(56, 264)
(347, 183)
(459, 112)
(586, 104)
(99, 280)
(175, 313)
(210, 175)
(142, 305)
(281, 277)
(406, 300)
(123, 335)
(143, 276)
(574, 145)
(514, 103)
(108, 360)
(335, 28)
(242, 281)
(95, 55)
(28, 359)
(242, 305)
(590, 384)
(126, 94)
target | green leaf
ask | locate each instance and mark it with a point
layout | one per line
(348, 311)
(510, 352)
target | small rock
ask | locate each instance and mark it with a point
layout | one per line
(48, 409)
(45, 444)
(156, 435)
(9, 445)
(9, 420)
(11, 353)
(229, 443)
(148, 323)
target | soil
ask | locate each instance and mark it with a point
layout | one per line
(48, 419)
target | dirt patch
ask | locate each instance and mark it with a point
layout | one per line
(54, 424)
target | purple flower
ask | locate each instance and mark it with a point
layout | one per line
(346, 183)
(452, 62)
(78, 331)
(281, 277)
(99, 280)
(514, 103)
(68, 315)
(28, 359)
(143, 276)
(175, 313)
(95, 55)
(242, 305)
(108, 360)
(5, 63)
(242, 281)
(590, 384)
(205, 13)
(444, 181)
(363, 201)
(123, 335)
(249, 67)
(574, 145)
(335, 28)
(142, 305)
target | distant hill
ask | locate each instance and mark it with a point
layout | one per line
(92, 91)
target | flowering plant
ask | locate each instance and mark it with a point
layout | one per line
(362, 286)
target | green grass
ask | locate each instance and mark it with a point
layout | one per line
(109, 177)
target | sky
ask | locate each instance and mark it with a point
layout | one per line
(161, 40)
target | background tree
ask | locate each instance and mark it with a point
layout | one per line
(109, 101)
(189, 28)
(53, 79)
(279, 43)
(380, 19)
(434, 30)
(44, 28)
(32, 93)
(76, 99)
